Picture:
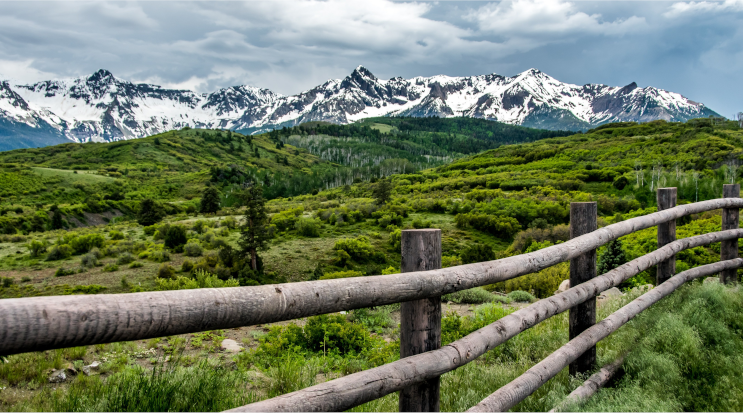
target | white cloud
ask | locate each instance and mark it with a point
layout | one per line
(22, 71)
(691, 8)
(546, 18)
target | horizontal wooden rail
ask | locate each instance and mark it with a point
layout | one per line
(592, 385)
(44, 323)
(358, 388)
(511, 394)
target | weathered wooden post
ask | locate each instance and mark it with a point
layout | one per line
(730, 220)
(420, 320)
(666, 233)
(583, 268)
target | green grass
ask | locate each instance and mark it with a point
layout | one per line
(74, 176)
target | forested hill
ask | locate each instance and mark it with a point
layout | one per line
(696, 156)
(425, 142)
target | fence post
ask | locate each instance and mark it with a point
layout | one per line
(730, 220)
(583, 268)
(666, 234)
(420, 320)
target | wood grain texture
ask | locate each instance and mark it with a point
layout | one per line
(420, 320)
(45, 323)
(511, 394)
(358, 388)
(730, 220)
(666, 198)
(592, 385)
(583, 217)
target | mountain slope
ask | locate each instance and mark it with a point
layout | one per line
(103, 108)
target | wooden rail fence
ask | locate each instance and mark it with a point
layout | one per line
(44, 323)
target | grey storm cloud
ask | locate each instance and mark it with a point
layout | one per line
(693, 48)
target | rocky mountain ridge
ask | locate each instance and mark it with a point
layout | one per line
(102, 107)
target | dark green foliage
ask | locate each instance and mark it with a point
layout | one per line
(254, 233)
(477, 253)
(6, 282)
(502, 227)
(149, 213)
(327, 333)
(308, 227)
(521, 296)
(59, 252)
(175, 237)
(382, 191)
(612, 257)
(166, 272)
(209, 201)
(61, 272)
(621, 182)
(57, 222)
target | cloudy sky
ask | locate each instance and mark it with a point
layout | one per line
(694, 48)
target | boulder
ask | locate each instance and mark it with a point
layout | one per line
(89, 369)
(711, 280)
(564, 286)
(57, 376)
(70, 370)
(611, 292)
(231, 346)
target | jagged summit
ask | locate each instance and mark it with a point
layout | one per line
(101, 107)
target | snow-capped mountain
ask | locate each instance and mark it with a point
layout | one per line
(103, 108)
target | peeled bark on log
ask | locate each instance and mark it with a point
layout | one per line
(511, 394)
(45, 323)
(592, 385)
(358, 388)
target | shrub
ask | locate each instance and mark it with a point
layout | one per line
(125, 258)
(521, 296)
(61, 272)
(395, 239)
(36, 248)
(89, 260)
(187, 266)
(543, 283)
(192, 249)
(166, 272)
(420, 224)
(83, 243)
(285, 220)
(475, 295)
(149, 212)
(357, 248)
(150, 230)
(341, 274)
(228, 222)
(200, 279)
(6, 282)
(59, 252)
(175, 237)
(160, 256)
(502, 227)
(25, 279)
(111, 267)
(116, 235)
(478, 253)
(450, 261)
(136, 264)
(308, 227)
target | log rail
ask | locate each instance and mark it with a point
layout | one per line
(44, 323)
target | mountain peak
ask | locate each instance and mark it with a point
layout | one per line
(102, 75)
(363, 72)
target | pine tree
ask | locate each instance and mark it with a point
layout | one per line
(254, 232)
(382, 191)
(57, 222)
(612, 257)
(209, 201)
(149, 212)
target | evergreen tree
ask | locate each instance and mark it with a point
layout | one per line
(612, 257)
(149, 212)
(57, 222)
(382, 191)
(254, 232)
(209, 201)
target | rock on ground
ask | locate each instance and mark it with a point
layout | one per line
(611, 292)
(231, 346)
(711, 280)
(57, 376)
